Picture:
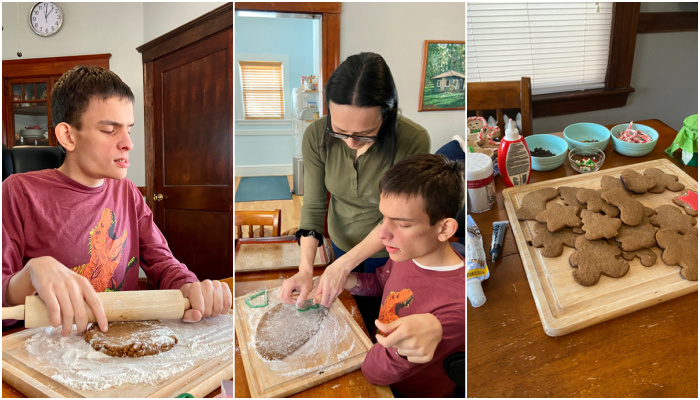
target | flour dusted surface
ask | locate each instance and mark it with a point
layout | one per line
(74, 363)
(284, 329)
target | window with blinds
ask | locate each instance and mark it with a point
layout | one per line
(561, 46)
(263, 89)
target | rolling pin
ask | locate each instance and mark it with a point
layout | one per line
(140, 305)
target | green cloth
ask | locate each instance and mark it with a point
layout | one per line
(687, 138)
(354, 206)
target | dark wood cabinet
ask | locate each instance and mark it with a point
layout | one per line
(27, 84)
(188, 117)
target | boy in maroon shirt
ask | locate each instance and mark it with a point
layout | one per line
(424, 277)
(70, 232)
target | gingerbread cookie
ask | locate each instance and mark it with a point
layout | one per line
(552, 243)
(647, 257)
(599, 226)
(688, 201)
(534, 203)
(670, 217)
(663, 181)
(591, 198)
(608, 182)
(631, 210)
(131, 339)
(283, 329)
(642, 236)
(568, 195)
(636, 182)
(557, 217)
(679, 250)
(595, 258)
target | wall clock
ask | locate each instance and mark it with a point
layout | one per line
(45, 19)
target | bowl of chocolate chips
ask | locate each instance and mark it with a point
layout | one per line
(547, 152)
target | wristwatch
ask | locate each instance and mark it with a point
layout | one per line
(314, 234)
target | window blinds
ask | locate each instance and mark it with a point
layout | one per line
(263, 89)
(560, 46)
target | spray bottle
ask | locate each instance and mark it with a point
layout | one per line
(514, 157)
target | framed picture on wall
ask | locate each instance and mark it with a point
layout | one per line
(442, 85)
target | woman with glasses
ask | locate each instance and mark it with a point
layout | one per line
(346, 153)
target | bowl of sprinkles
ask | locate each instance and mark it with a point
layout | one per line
(633, 140)
(586, 134)
(586, 159)
(547, 152)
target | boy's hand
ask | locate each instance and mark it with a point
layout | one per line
(63, 292)
(207, 299)
(330, 285)
(301, 281)
(414, 337)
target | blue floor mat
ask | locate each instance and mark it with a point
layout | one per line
(261, 188)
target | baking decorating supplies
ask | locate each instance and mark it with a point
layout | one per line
(514, 157)
(587, 134)
(477, 270)
(499, 232)
(552, 144)
(586, 159)
(140, 305)
(687, 139)
(633, 140)
(249, 300)
(481, 188)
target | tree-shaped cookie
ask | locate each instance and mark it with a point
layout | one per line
(557, 217)
(679, 250)
(591, 198)
(671, 217)
(663, 181)
(594, 258)
(552, 243)
(535, 202)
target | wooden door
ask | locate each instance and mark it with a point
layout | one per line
(193, 148)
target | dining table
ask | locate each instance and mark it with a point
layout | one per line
(352, 384)
(10, 392)
(652, 352)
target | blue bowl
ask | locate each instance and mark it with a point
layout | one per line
(576, 134)
(553, 143)
(633, 149)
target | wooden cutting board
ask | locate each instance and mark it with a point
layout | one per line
(565, 306)
(339, 347)
(20, 371)
(269, 256)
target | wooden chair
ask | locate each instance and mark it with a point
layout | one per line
(499, 96)
(260, 219)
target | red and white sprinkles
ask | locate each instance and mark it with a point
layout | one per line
(634, 136)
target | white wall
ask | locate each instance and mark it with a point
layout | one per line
(92, 28)
(664, 76)
(397, 31)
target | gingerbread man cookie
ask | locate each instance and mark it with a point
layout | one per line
(599, 226)
(636, 182)
(568, 195)
(595, 258)
(679, 250)
(552, 243)
(535, 202)
(670, 217)
(663, 181)
(591, 198)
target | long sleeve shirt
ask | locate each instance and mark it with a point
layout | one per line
(103, 233)
(406, 289)
(354, 186)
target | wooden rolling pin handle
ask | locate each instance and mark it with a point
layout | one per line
(16, 312)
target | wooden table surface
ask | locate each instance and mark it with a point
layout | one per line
(353, 384)
(652, 352)
(10, 392)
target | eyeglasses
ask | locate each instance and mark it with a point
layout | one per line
(359, 138)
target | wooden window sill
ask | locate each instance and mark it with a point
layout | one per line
(547, 105)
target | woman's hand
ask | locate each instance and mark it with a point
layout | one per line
(207, 299)
(302, 281)
(63, 291)
(331, 284)
(414, 337)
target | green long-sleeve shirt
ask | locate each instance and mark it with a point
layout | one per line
(354, 205)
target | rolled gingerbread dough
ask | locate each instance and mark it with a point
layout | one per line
(283, 329)
(131, 339)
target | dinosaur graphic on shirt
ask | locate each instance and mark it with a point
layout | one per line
(389, 312)
(105, 250)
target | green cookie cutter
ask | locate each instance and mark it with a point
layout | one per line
(314, 306)
(252, 296)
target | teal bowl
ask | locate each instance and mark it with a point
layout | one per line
(633, 149)
(576, 135)
(553, 143)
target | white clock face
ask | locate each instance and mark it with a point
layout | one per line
(45, 18)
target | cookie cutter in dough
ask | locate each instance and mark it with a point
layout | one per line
(253, 295)
(307, 305)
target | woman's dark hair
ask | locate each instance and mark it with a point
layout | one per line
(364, 80)
(71, 95)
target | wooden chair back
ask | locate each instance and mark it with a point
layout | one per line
(499, 96)
(260, 219)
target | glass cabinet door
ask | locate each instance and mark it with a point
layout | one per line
(30, 113)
